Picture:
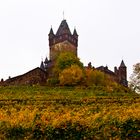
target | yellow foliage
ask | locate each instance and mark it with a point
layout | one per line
(71, 76)
(56, 112)
(95, 77)
(85, 115)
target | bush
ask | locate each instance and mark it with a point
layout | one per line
(71, 76)
(130, 129)
(97, 78)
(16, 132)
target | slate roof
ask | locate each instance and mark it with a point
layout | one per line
(46, 60)
(63, 28)
(51, 32)
(122, 64)
(75, 32)
(42, 66)
(106, 70)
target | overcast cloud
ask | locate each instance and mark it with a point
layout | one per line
(109, 31)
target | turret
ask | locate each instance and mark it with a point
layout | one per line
(51, 36)
(42, 66)
(116, 70)
(123, 74)
(46, 61)
(75, 34)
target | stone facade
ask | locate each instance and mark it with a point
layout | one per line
(119, 75)
(62, 41)
(35, 76)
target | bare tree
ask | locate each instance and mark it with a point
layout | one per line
(134, 83)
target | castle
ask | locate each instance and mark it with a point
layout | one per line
(64, 40)
(60, 42)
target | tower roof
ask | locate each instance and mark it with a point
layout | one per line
(63, 28)
(46, 61)
(75, 32)
(42, 66)
(51, 32)
(122, 64)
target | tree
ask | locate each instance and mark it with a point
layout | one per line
(134, 83)
(71, 76)
(98, 78)
(95, 77)
(66, 60)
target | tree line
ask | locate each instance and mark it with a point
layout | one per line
(69, 71)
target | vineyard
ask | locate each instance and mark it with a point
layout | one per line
(68, 113)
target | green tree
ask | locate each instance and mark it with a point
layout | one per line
(65, 60)
(134, 83)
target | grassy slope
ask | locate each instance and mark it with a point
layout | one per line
(72, 113)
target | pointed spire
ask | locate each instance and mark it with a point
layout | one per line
(46, 61)
(51, 34)
(51, 31)
(42, 65)
(75, 32)
(63, 28)
(122, 64)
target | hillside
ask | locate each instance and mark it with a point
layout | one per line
(34, 112)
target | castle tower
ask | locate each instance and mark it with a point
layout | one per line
(42, 65)
(122, 73)
(62, 41)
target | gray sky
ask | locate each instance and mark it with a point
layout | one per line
(109, 31)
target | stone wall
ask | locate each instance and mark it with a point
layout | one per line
(35, 76)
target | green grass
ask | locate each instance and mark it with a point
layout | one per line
(29, 92)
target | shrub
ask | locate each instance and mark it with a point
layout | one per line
(16, 132)
(71, 76)
(95, 77)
